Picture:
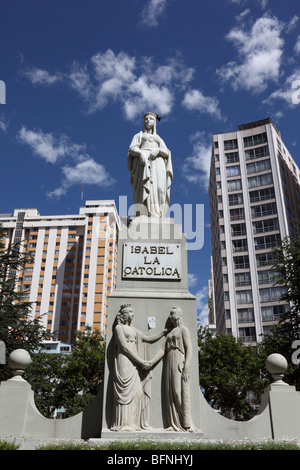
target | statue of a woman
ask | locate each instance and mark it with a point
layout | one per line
(178, 353)
(150, 167)
(131, 382)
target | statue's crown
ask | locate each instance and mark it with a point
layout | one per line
(125, 306)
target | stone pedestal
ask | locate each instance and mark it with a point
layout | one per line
(152, 277)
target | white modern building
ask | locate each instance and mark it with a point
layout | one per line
(73, 269)
(254, 198)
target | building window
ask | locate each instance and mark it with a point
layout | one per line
(271, 294)
(268, 241)
(241, 262)
(263, 209)
(255, 139)
(257, 152)
(231, 157)
(234, 185)
(266, 225)
(273, 312)
(239, 245)
(235, 199)
(237, 214)
(247, 334)
(230, 144)
(238, 229)
(233, 171)
(244, 296)
(242, 279)
(260, 180)
(245, 315)
(256, 167)
(265, 259)
(262, 194)
(267, 277)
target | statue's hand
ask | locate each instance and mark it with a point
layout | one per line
(154, 153)
(146, 365)
(185, 375)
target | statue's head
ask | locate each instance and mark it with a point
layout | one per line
(124, 312)
(150, 121)
(176, 316)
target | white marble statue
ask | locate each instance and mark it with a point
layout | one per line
(132, 378)
(150, 167)
(177, 353)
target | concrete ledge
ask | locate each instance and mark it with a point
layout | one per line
(152, 434)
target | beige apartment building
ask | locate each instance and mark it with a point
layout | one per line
(73, 269)
(254, 196)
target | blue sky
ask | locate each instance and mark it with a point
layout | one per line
(79, 76)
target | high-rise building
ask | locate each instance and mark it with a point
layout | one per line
(73, 267)
(254, 199)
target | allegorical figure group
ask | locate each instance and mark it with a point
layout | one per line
(133, 368)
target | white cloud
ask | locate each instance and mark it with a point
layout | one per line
(196, 167)
(152, 11)
(42, 77)
(135, 83)
(292, 23)
(289, 91)
(194, 100)
(192, 278)
(202, 305)
(80, 81)
(83, 168)
(297, 45)
(3, 124)
(260, 50)
(47, 146)
(84, 172)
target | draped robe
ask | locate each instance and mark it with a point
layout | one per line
(150, 179)
(131, 387)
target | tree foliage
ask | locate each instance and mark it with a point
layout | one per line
(69, 381)
(18, 327)
(231, 374)
(287, 330)
(287, 266)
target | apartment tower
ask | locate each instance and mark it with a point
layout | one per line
(254, 198)
(73, 267)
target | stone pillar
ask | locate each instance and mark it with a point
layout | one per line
(283, 400)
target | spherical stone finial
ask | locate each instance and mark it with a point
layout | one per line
(19, 360)
(276, 365)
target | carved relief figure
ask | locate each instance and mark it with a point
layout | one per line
(150, 167)
(178, 353)
(132, 377)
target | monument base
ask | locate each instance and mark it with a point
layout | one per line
(152, 278)
(151, 434)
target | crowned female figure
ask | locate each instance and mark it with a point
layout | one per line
(150, 167)
(131, 382)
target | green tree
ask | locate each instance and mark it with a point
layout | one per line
(231, 374)
(287, 330)
(18, 328)
(287, 267)
(44, 376)
(70, 381)
(83, 372)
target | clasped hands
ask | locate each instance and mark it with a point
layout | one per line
(147, 365)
